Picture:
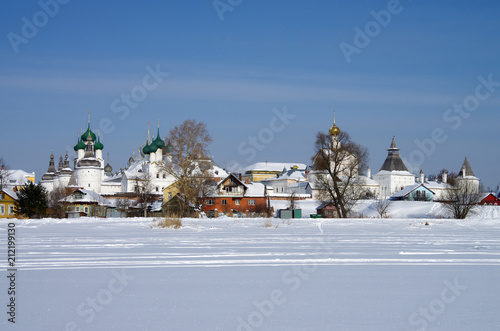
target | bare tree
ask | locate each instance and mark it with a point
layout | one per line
(190, 163)
(382, 207)
(337, 164)
(293, 201)
(143, 189)
(57, 202)
(461, 199)
(122, 205)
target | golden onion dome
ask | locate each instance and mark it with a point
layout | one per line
(334, 130)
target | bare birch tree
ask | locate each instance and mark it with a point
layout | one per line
(337, 164)
(143, 189)
(382, 207)
(461, 199)
(190, 163)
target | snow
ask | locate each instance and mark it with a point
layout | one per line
(17, 177)
(88, 197)
(237, 274)
(274, 166)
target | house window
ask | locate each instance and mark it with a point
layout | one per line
(164, 176)
(229, 189)
(210, 202)
(224, 202)
(169, 195)
(2, 209)
(11, 210)
(157, 189)
(2, 196)
(237, 202)
(251, 202)
(157, 175)
(77, 208)
(86, 210)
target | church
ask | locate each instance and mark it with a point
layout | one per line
(92, 174)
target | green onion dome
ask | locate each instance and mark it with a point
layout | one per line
(98, 145)
(87, 133)
(153, 148)
(158, 142)
(145, 150)
(80, 145)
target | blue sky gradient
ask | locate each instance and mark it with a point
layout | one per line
(232, 73)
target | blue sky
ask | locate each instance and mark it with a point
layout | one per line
(232, 73)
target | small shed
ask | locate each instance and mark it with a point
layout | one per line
(327, 210)
(290, 213)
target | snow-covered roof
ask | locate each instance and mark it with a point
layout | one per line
(88, 197)
(301, 184)
(17, 177)
(113, 180)
(255, 190)
(432, 185)
(135, 170)
(10, 193)
(395, 173)
(368, 181)
(408, 189)
(294, 174)
(217, 171)
(274, 167)
(485, 195)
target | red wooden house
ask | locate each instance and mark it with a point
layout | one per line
(232, 197)
(490, 200)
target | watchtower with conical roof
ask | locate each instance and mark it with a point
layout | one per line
(468, 178)
(393, 175)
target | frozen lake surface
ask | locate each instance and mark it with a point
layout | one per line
(236, 274)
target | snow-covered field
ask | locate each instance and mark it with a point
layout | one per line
(236, 274)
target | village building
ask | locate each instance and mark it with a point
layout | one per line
(8, 199)
(266, 170)
(14, 179)
(326, 210)
(417, 192)
(490, 200)
(293, 182)
(86, 203)
(233, 197)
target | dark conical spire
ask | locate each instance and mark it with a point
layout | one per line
(393, 150)
(49, 175)
(72, 181)
(66, 161)
(52, 167)
(468, 169)
(61, 165)
(393, 161)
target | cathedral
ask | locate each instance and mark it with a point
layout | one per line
(91, 173)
